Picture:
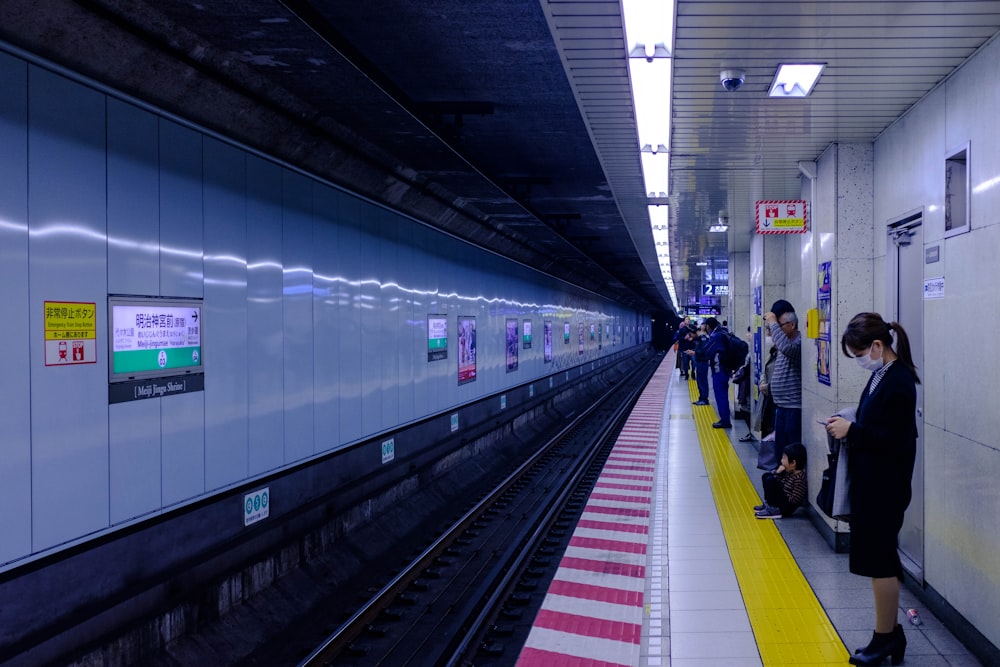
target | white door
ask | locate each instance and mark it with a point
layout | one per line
(907, 302)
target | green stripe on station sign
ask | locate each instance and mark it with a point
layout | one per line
(138, 361)
(437, 343)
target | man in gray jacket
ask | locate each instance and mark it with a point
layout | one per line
(786, 380)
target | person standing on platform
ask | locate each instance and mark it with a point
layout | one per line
(700, 363)
(785, 386)
(684, 342)
(716, 344)
(882, 442)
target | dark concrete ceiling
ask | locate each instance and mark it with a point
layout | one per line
(458, 113)
(509, 123)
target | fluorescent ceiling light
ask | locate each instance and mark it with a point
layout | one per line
(795, 80)
(656, 172)
(701, 263)
(651, 96)
(718, 228)
(649, 27)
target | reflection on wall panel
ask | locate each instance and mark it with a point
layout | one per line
(133, 201)
(67, 263)
(15, 464)
(297, 297)
(351, 266)
(225, 315)
(328, 286)
(181, 233)
(265, 331)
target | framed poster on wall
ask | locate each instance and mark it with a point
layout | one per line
(547, 342)
(512, 346)
(466, 349)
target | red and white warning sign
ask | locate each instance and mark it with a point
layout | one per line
(781, 217)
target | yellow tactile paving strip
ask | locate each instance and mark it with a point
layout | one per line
(788, 621)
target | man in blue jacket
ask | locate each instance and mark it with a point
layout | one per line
(720, 378)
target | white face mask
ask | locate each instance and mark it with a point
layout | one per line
(868, 363)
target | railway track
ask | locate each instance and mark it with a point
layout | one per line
(469, 598)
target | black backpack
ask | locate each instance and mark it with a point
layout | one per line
(734, 355)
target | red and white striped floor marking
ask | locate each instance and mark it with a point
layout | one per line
(592, 615)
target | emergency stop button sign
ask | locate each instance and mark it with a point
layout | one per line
(70, 333)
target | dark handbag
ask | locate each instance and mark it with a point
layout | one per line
(832, 498)
(767, 456)
(824, 499)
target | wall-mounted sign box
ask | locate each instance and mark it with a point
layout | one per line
(154, 347)
(781, 217)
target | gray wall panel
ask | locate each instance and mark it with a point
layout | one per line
(66, 173)
(265, 335)
(297, 254)
(182, 420)
(181, 225)
(422, 266)
(392, 329)
(370, 304)
(225, 336)
(349, 257)
(329, 285)
(315, 307)
(134, 452)
(15, 423)
(133, 201)
(412, 348)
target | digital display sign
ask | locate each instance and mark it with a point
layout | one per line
(153, 337)
(437, 337)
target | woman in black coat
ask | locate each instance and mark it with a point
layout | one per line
(882, 442)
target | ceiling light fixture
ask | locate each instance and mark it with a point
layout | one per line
(655, 171)
(649, 37)
(795, 79)
(718, 228)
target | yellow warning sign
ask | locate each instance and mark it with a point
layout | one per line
(70, 333)
(70, 320)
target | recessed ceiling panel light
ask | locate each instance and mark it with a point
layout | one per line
(795, 80)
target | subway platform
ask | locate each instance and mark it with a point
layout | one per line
(669, 566)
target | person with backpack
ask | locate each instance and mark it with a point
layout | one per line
(716, 349)
(785, 386)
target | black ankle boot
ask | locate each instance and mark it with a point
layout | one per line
(883, 645)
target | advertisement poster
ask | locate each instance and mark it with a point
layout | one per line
(512, 346)
(437, 337)
(566, 334)
(823, 305)
(466, 349)
(547, 341)
(759, 353)
(592, 331)
(526, 334)
(580, 338)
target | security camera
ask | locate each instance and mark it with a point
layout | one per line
(732, 79)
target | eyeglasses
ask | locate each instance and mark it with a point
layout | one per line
(785, 324)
